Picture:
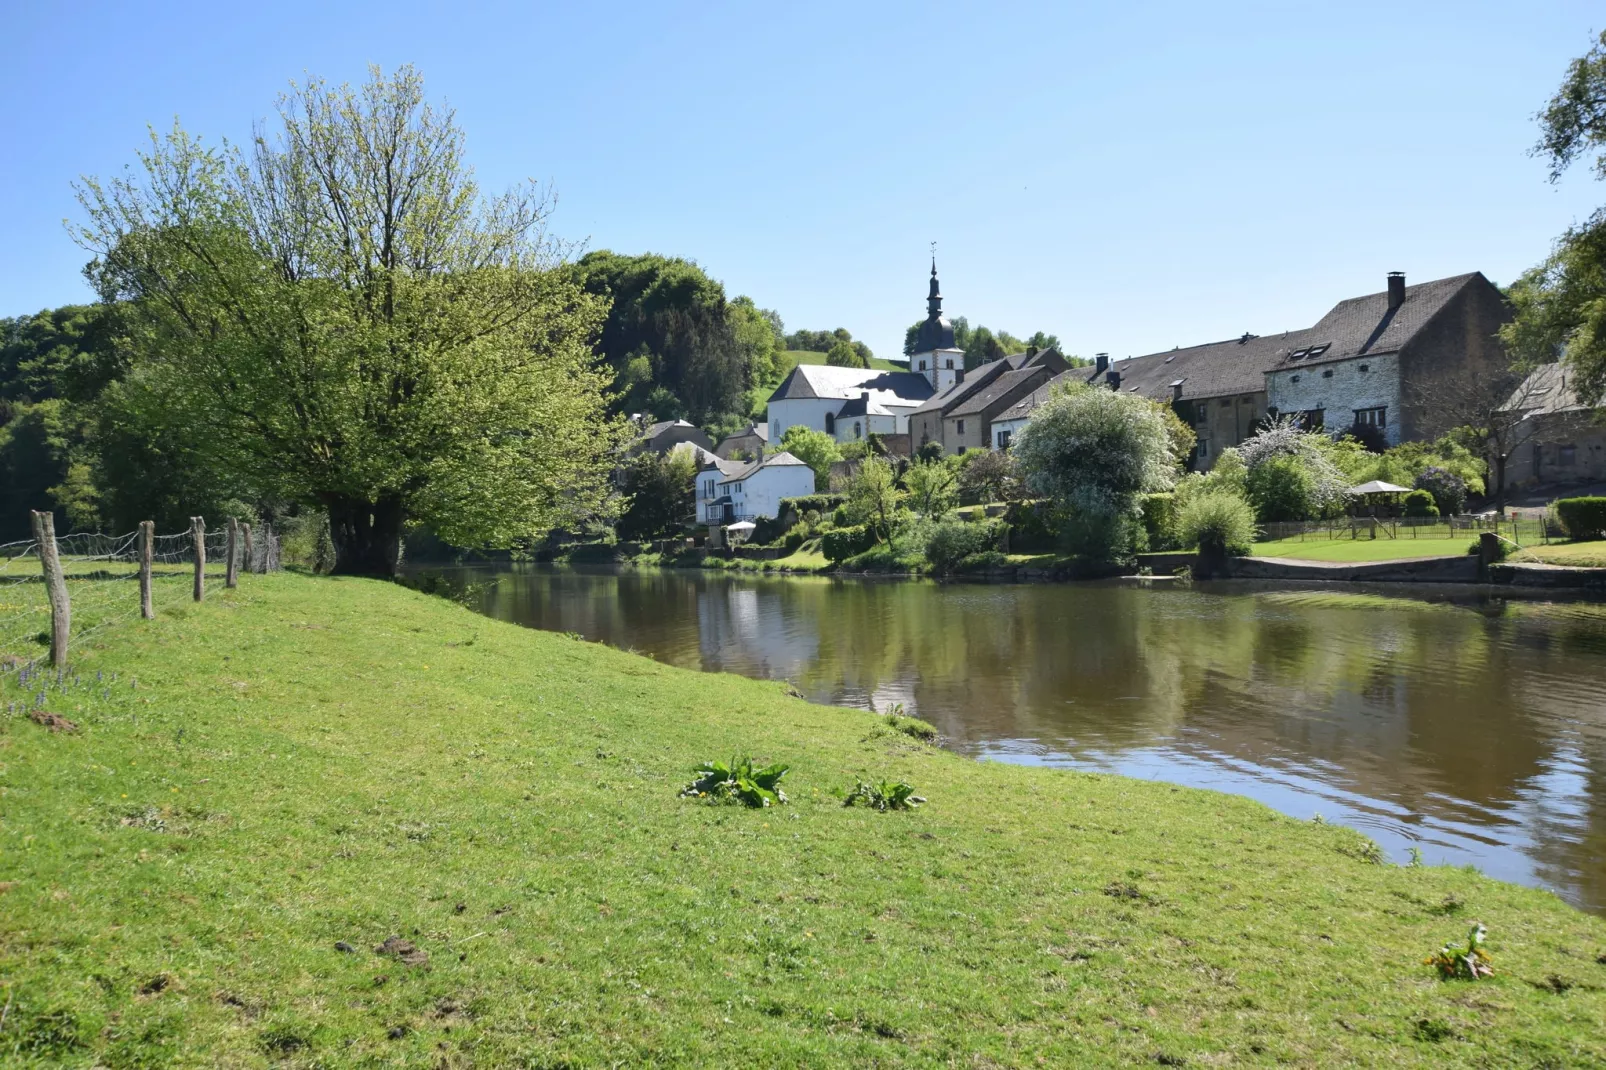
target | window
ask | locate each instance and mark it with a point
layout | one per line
(922, 365)
(1313, 419)
(857, 431)
(708, 488)
(1366, 367)
(1372, 417)
(950, 362)
(959, 427)
(1003, 439)
(1225, 402)
(1204, 448)
(1293, 378)
(830, 423)
(1298, 354)
(1316, 351)
(1328, 374)
(737, 488)
(1566, 456)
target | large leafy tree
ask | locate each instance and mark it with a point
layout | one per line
(676, 345)
(350, 324)
(1561, 304)
(814, 448)
(1095, 452)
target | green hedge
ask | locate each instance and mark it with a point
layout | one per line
(1420, 503)
(839, 544)
(1033, 528)
(1583, 518)
(824, 503)
(1160, 521)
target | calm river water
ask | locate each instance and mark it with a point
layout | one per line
(1475, 732)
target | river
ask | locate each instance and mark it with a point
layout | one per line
(1473, 732)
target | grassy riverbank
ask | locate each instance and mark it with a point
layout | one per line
(200, 876)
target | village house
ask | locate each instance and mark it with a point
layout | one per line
(1376, 364)
(748, 443)
(660, 437)
(1556, 438)
(732, 490)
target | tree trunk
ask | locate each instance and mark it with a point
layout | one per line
(367, 536)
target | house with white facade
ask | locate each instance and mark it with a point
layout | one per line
(730, 490)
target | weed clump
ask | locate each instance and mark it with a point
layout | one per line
(737, 781)
(912, 727)
(884, 796)
(1469, 963)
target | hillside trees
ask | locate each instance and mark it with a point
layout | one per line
(350, 324)
(676, 345)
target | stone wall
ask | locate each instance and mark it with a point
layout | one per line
(1339, 389)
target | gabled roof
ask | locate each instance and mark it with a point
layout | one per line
(1024, 407)
(859, 406)
(1548, 389)
(1001, 388)
(956, 393)
(827, 381)
(661, 426)
(1365, 326)
(1238, 366)
(734, 471)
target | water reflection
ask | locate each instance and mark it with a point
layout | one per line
(1477, 734)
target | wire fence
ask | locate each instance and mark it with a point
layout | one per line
(1522, 530)
(102, 582)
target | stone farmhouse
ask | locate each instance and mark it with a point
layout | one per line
(1556, 438)
(1374, 363)
(748, 442)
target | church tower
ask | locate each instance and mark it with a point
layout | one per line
(935, 355)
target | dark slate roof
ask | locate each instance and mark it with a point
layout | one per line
(1212, 370)
(935, 333)
(1549, 388)
(975, 379)
(1023, 408)
(1364, 326)
(1000, 389)
(828, 381)
(664, 425)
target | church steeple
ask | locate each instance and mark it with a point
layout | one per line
(934, 353)
(934, 299)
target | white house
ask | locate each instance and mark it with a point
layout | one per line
(815, 395)
(728, 491)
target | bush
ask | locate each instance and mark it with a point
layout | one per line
(1160, 521)
(767, 530)
(1420, 503)
(1218, 522)
(946, 543)
(884, 795)
(1281, 488)
(737, 781)
(1032, 527)
(841, 543)
(1448, 489)
(839, 516)
(821, 503)
(792, 540)
(1582, 518)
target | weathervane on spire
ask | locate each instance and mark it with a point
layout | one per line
(933, 258)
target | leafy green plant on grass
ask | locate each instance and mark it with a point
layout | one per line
(884, 796)
(738, 781)
(913, 727)
(1469, 963)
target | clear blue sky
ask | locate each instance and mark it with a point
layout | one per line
(1129, 176)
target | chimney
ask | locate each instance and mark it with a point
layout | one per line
(1112, 380)
(865, 395)
(1101, 363)
(1396, 289)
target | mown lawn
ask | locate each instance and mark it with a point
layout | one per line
(308, 767)
(1581, 554)
(1380, 549)
(794, 357)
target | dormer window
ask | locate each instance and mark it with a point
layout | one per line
(1316, 351)
(1298, 354)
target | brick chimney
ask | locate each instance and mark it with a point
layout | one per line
(1396, 289)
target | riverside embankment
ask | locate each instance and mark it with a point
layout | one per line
(202, 873)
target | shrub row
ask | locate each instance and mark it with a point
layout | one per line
(839, 544)
(1582, 518)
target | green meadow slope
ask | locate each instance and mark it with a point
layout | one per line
(307, 767)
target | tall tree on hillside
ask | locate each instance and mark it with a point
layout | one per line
(670, 328)
(1561, 304)
(351, 325)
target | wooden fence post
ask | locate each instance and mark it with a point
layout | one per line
(147, 536)
(250, 548)
(231, 575)
(198, 537)
(44, 524)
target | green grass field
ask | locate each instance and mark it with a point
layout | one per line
(308, 767)
(1582, 554)
(1380, 549)
(794, 357)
